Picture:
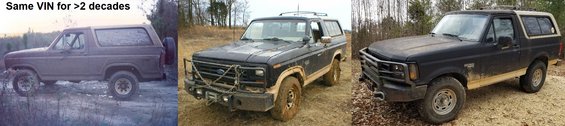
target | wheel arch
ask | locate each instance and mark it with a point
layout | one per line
(111, 69)
(296, 71)
(451, 72)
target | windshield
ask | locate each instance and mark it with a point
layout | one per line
(462, 26)
(287, 30)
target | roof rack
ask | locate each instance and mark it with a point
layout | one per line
(297, 13)
(507, 7)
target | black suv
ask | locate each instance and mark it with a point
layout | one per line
(466, 50)
(267, 68)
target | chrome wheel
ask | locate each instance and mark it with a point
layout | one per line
(444, 101)
(290, 99)
(123, 86)
(536, 79)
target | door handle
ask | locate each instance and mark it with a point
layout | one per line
(319, 54)
(516, 46)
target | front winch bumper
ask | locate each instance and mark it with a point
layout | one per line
(230, 95)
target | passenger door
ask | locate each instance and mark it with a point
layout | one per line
(501, 59)
(67, 58)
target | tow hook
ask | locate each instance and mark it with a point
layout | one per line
(379, 95)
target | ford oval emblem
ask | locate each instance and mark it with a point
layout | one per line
(220, 71)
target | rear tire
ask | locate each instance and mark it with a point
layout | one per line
(534, 78)
(170, 50)
(123, 85)
(25, 83)
(332, 77)
(443, 101)
(288, 100)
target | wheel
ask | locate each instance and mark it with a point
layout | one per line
(123, 85)
(534, 78)
(170, 50)
(25, 82)
(332, 77)
(288, 99)
(443, 100)
(49, 82)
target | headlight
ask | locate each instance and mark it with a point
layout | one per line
(397, 68)
(259, 72)
(413, 71)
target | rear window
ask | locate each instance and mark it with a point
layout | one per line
(333, 28)
(123, 37)
(538, 25)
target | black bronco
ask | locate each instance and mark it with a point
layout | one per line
(267, 68)
(466, 50)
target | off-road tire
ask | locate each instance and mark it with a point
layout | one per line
(332, 77)
(49, 82)
(25, 82)
(530, 83)
(170, 50)
(445, 111)
(123, 85)
(290, 89)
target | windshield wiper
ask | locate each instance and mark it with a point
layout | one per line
(452, 35)
(276, 39)
(245, 38)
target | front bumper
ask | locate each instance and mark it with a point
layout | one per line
(387, 88)
(234, 100)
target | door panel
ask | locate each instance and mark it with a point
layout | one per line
(67, 59)
(500, 60)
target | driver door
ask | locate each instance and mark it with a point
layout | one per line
(500, 60)
(67, 58)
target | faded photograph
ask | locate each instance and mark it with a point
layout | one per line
(90, 67)
(264, 62)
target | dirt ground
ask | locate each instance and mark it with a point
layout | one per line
(89, 103)
(499, 104)
(321, 105)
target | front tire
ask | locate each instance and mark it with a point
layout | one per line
(332, 77)
(25, 83)
(123, 85)
(534, 78)
(288, 100)
(443, 100)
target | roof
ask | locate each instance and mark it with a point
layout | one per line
(110, 26)
(519, 12)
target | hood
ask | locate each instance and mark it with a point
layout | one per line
(25, 52)
(403, 49)
(247, 51)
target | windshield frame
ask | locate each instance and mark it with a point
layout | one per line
(482, 34)
(307, 32)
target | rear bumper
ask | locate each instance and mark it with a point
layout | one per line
(234, 100)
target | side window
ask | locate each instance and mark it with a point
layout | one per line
(503, 28)
(538, 25)
(123, 37)
(316, 31)
(500, 27)
(70, 41)
(333, 28)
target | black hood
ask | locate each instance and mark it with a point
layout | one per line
(403, 49)
(248, 51)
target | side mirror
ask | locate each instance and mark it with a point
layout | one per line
(306, 39)
(326, 40)
(504, 42)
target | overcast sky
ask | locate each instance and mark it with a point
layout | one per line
(339, 9)
(17, 22)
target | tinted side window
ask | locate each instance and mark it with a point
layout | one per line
(123, 37)
(538, 26)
